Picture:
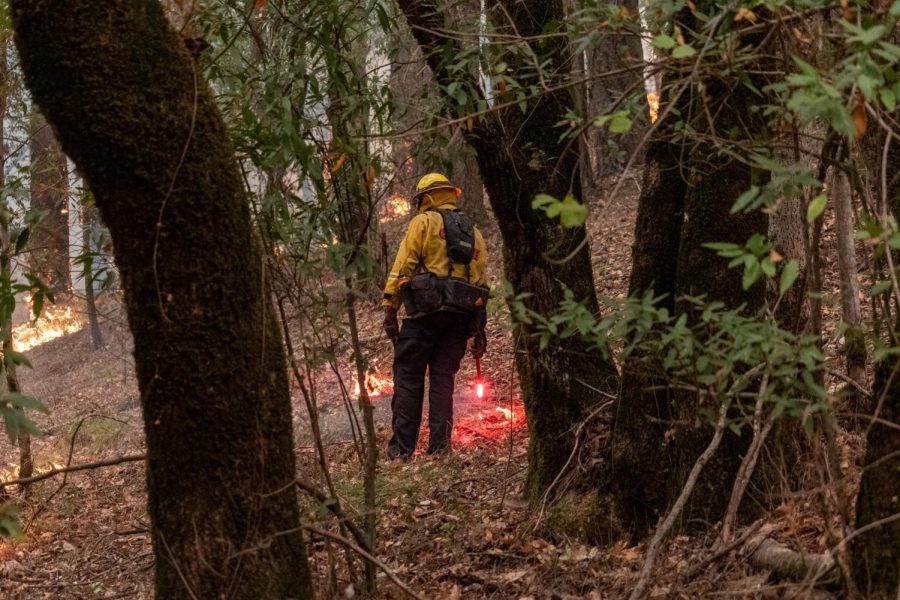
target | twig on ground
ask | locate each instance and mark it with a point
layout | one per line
(669, 521)
(74, 468)
(690, 572)
(366, 555)
(335, 507)
(748, 465)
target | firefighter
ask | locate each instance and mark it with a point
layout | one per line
(439, 278)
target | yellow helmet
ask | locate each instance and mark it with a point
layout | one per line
(434, 181)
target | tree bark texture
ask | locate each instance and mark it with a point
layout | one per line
(851, 313)
(686, 201)
(49, 242)
(637, 453)
(790, 233)
(876, 552)
(133, 112)
(716, 180)
(520, 155)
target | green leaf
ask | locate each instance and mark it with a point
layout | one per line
(752, 273)
(37, 303)
(888, 98)
(573, 213)
(880, 287)
(788, 276)
(816, 208)
(720, 246)
(22, 239)
(663, 41)
(745, 199)
(542, 200)
(620, 123)
(683, 51)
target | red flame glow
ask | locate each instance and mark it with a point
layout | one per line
(479, 390)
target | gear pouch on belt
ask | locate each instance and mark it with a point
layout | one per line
(423, 294)
(463, 296)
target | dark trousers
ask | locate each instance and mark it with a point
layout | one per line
(436, 342)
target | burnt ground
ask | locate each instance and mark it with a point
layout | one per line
(451, 527)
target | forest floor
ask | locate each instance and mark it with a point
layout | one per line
(450, 527)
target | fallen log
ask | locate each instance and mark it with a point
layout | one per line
(763, 552)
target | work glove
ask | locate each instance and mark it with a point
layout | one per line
(391, 325)
(479, 344)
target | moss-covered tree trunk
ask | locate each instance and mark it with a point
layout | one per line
(716, 185)
(520, 154)
(49, 242)
(686, 201)
(637, 454)
(133, 112)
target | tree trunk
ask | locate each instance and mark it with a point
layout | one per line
(133, 112)
(520, 154)
(49, 242)
(410, 75)
(465, 175)
(88, 222)
(790, 235)
(26, 463)
(637, 453)
(686, 202)
(876, 552)
(620, 54)
(851, 314)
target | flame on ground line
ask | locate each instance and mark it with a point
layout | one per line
(377, 385)
(54, 322)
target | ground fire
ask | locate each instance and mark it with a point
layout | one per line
(377, 385)
(54, 322)
(397, 206)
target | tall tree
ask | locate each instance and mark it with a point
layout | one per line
(49, 242)
(133, 112)
(520, 154)
(643, 407)
(690, 186)
(612, 69)
(875, 549)
(410, 77)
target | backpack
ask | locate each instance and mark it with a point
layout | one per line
(459, 233)
(429, 292)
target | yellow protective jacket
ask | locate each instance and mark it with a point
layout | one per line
(423, 248)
